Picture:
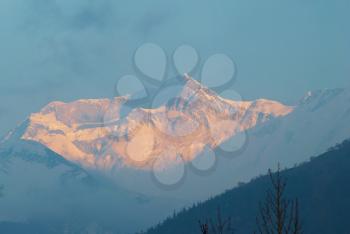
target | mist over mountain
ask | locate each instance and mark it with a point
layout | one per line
(44, 193)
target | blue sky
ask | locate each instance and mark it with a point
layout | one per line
(65, 50)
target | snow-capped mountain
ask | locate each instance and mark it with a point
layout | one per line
(95, 133)
(98, 134)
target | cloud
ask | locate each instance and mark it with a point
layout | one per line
(154, 19)
(72, 15)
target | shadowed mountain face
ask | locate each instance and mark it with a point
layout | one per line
(321, 185)
(97, 134)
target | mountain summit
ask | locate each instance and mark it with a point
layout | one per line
(95, 133)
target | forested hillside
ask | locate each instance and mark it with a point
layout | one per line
(321, 185)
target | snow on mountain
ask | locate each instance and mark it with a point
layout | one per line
(95, 134)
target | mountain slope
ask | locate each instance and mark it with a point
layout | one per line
(321, 185)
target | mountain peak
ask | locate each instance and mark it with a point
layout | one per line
(314, 100)
(317, 95)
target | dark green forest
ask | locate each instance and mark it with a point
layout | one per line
(321, 185)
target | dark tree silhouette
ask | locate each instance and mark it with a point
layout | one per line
(204, 227)
(219, 227)
(278, 215)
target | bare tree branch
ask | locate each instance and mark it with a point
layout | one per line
(278, 215)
